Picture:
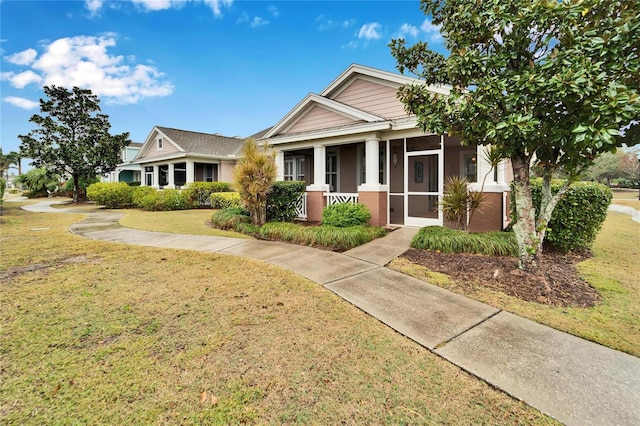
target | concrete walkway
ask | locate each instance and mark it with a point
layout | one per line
(573, 380)
(635, 214)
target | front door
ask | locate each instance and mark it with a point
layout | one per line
(423, 182)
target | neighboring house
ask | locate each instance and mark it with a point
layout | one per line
(172, 158)
(126, 171)
(354, 141)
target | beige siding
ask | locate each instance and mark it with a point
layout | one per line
(319, 118)
(372, 98)
(225, 172)
(153, 151)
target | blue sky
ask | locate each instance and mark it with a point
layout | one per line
(225, 66)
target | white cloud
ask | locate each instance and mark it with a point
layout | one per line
(84, 61)
(258, 22)
(216, 5)
(407, 29)
(93, 6)
(21, 79)
(432, 31)
(21, 102)
(328, 23)
(26, 57)
(273, 11)
(370, 31)
(243, 18)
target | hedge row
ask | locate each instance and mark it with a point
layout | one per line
(445, 240)
(283, 199)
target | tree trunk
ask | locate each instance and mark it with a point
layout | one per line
(76, 184)
(547, 205)
(524, 227)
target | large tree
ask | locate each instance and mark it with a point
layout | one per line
(546, 83)
(72, 137)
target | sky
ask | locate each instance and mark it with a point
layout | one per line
(215, 66)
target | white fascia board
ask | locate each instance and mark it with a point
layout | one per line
(150, 141)
(184, 156)
(289, 116)
(331, 133)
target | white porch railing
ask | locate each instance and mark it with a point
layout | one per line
(301, 207)
(341, 197)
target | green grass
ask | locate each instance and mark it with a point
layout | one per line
(192, 222)
(106, 333)
(613, 271)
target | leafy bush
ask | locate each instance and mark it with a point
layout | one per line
(338, 238)
(112, 195)
(134, 183)
(83, 183)
(346, 214)
(39, 182)
(224, 200)
(579, 215)
(139, 193)
(167, 199)
(459, 203)
(282, 201)
(230, 218)
(447, 240)
(200, 192)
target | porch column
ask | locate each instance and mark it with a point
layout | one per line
(372, 194)
(319, 169)
(280, 165)
(171, 177)
(315, 191)
(156, 176)
(190, 171)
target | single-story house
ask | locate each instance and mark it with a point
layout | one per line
(354, 141)
(172, 158)
(126, 171)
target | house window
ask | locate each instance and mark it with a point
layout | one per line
(160, 144)
(294, 168)
(148, 176)
(470, 167)
(332, 171)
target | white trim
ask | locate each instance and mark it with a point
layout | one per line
(329, 133)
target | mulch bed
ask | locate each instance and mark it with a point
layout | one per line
(558, 285)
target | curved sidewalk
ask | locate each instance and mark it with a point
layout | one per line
(571, 379)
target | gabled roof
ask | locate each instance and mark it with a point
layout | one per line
(187, 143)
(203, 143)
(312, 99)
(343, 88)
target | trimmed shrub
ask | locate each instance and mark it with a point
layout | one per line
(445, 240)
(230, 218)
(112, 195)
(346, 214)
(224, 200)
(578, 216)
(200, 192)
(282, 200)
(337, 238)
(165, 200)
(139, 193)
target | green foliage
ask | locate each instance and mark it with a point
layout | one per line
(336, 238)
(139, 193)
(134, 183)
(553, 83)
(346, 214)
(3, 185)
(459, 203)
(231, 218)
(72, 137)
(254, 175)
(282, 201)
(165, 200)
(39, 182)
(83, 183)
(223, 200)
(112, 195)
(200, 192)
(445, 240)
(579, 215)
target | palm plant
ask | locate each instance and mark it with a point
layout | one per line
(254, 176)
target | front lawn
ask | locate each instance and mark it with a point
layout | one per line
(106, 333)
